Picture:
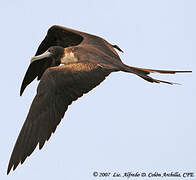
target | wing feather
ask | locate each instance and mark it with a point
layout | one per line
(56, 36)
(58, 88)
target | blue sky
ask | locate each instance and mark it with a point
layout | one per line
(125, 124)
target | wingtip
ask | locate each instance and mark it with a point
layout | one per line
(9, 169)
(21, 91)
(12, 166)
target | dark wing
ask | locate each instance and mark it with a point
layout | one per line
(59, 86)
(56, 36)
(64, 37)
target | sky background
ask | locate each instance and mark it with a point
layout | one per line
(124, 125)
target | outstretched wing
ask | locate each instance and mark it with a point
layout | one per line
(64, 37)
(58, 87)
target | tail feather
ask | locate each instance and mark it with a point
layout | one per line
(152, 80)
(160, 71)
(143, 73)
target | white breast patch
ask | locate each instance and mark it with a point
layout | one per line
(69, 57)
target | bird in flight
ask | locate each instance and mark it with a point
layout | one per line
(68, 63)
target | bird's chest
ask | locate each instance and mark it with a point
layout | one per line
(69, 57)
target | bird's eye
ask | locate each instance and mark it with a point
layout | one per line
(50, 50)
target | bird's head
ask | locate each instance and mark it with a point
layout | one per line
(39, 63)
(54, 52)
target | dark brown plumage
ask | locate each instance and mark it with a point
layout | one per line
(87, 60)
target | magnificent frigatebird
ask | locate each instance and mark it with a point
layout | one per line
(86, 61)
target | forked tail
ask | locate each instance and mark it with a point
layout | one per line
(143, 73)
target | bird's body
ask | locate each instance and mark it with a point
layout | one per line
(86, 60)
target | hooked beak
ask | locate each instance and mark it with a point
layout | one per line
(39, 57)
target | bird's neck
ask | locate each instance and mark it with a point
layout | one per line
(69, 56)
